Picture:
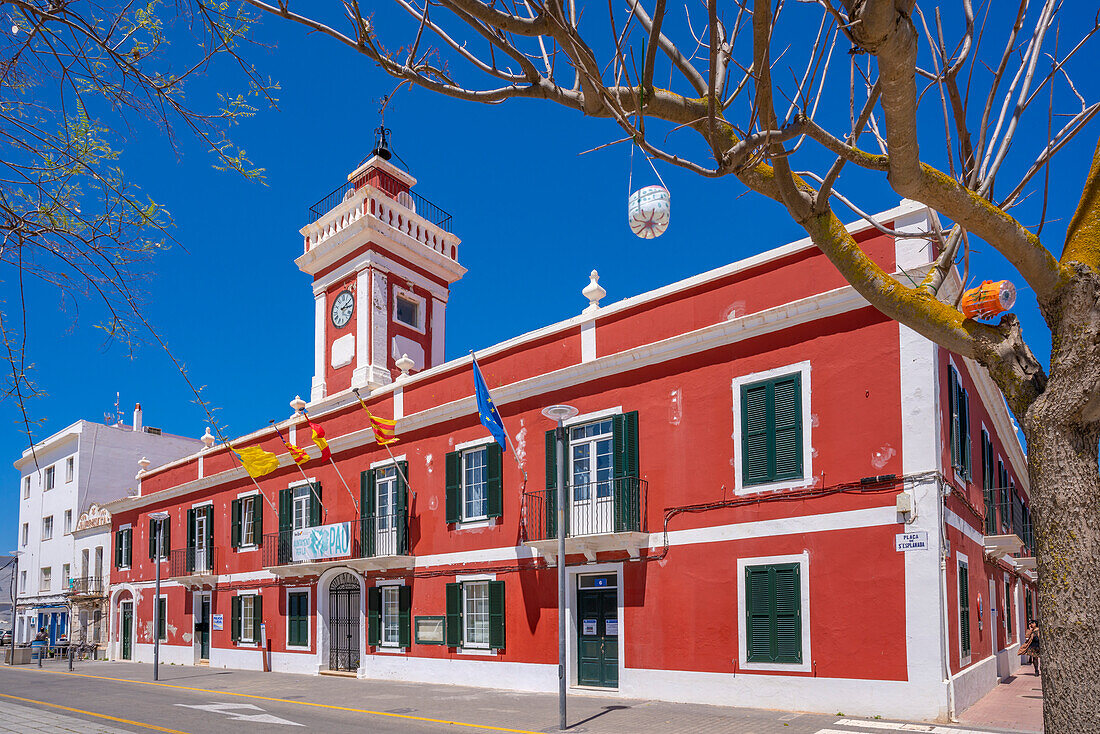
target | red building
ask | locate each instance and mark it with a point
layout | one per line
(777, 496)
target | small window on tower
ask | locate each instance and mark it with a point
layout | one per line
(408, 312)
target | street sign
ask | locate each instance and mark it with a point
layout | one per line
(917, 540)
(323, 541)
(218, 620)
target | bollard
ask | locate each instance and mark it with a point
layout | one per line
(70, 657)
(41, 650)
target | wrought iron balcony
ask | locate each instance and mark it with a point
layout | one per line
(369, 543)
(194, 561)
(395, 189)
(86, 586)
(599, 516)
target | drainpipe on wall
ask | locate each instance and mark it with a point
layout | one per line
(944, 617)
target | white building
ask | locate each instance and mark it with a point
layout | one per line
(92, 562)
(60, 478)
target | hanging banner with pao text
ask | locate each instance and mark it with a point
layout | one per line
(323, 541)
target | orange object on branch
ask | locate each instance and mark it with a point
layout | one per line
(989, 299)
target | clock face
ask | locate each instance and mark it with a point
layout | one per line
(342, 308)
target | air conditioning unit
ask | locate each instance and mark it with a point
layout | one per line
(152, 431)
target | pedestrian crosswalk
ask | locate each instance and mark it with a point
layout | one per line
(875, 724)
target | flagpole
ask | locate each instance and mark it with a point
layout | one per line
(301, 471)
(507, 436)
(232, 452)
(354, 502)
(396, 463)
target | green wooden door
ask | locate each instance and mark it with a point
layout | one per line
(598, 638)
(204, 629)
(127, 631)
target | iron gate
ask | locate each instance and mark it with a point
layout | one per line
(343, 601)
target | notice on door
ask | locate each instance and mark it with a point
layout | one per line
(217, 619)
(906, 542)
(589, 627)
(611, 627)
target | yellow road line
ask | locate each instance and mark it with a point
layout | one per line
(154, 727)
(483, 727)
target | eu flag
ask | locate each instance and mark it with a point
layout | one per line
(487, 410)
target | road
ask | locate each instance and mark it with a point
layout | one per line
(114, 698)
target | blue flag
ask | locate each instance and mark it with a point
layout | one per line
(487, 410)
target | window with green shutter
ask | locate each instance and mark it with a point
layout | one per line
(771, 430)
(959, 400)
(162, 618)
(297, 603)
(964, 610)
(475, 615)
(773, 613)
(474, 483)
(988, 482)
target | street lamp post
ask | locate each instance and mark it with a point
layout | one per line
(14, 605)
(561, 413)
(160, 517)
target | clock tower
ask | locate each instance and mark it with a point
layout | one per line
(383, 259)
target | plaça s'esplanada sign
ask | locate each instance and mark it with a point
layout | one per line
(323, 541)
(917, 540)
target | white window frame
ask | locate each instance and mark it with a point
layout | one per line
(27, 487)
(308, 486)
(47, 527)
(66, 575)
(393, 590)
(570, 460)
(45, 579)
(68, 522)
(961, 561)
(803, 560)
(26, 533)
(22, 582)
(49, 480)
(308, 591)
(241, 641)
(468, 649)
(421, 308)
(248, 522)
(69, 467)
(463, 453)
(126, 542)
(803, 369)
(384, 647)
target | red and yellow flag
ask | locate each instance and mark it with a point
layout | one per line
(384, 430)
(298, 454)
(319, 439)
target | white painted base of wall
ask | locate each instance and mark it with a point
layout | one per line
(974, 682)
(534, 677)
(891, 699)
(1008, 660)
(169, 654)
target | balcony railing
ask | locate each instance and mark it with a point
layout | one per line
(391, 186)
(595, 508)
(370, 537)
(192, 561)
(86, 586)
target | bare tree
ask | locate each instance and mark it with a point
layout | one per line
(859, 81)
(72, 74)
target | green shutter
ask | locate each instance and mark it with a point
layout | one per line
(754, 434)
(190, 529)
(494, 479)
(258, 519)
(257, 618)
(404, 616)
(551, 459)
(209, 535)
(496, 615)
(129, 547)
(964, 414)
(625, 465)
(299, 618)
(118, 549)
(162, 621)
(401, 511)
(454, 615)
(235, 618)
(166, 529)
(453, 464)
(787, 412)
(374, 615)
(315, 505)
(286, 510)
(366, 513)
(152, 539)
(953, 396)
(235, 524)
(964, 610)
(773, 613)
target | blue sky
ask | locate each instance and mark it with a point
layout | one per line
(534, 215)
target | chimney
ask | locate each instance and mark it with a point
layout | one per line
(137, 418)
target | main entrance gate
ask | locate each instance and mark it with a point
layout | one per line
(343, 623)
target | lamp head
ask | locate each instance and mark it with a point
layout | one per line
(560, 413)
(159, 515)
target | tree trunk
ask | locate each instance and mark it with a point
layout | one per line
(1063, 433)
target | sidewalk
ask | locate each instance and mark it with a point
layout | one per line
(1017, 703)
(355, 703)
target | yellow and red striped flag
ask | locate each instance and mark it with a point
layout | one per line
(298, 454)
(384, 430)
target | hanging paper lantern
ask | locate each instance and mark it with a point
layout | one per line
(989, 299)
(648, 211)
